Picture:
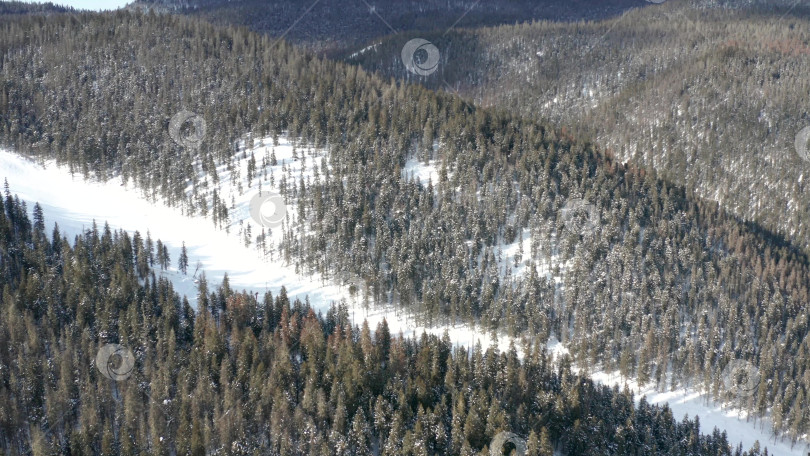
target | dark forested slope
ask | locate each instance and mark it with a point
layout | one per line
(15, 7)
(711, 96)
(333, 25)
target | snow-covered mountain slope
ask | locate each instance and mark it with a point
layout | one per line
(688, 402)
(75, 204)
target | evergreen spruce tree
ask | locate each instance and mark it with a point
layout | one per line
(182, 260)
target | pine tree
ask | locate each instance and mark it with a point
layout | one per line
(39, 219)
(182, 260)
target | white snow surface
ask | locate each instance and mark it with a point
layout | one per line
(74, 203)
(415, 169)
(543, 266)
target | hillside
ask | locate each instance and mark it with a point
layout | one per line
(330, 26)
(73, 203)
(241, 375)
(710, 97)
(664, 286)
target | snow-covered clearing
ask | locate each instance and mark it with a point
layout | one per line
(74, 204)
(517, 259)
(415, 169)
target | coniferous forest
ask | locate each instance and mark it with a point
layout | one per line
(668, 287)
(331, 30)
(241, 376)
(709, 94)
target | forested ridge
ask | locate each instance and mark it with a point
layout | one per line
(15, 7)
(247, 376)
(709, 94)
(667, 287)
(331, 26)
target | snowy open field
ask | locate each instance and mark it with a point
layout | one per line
(74, 204)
